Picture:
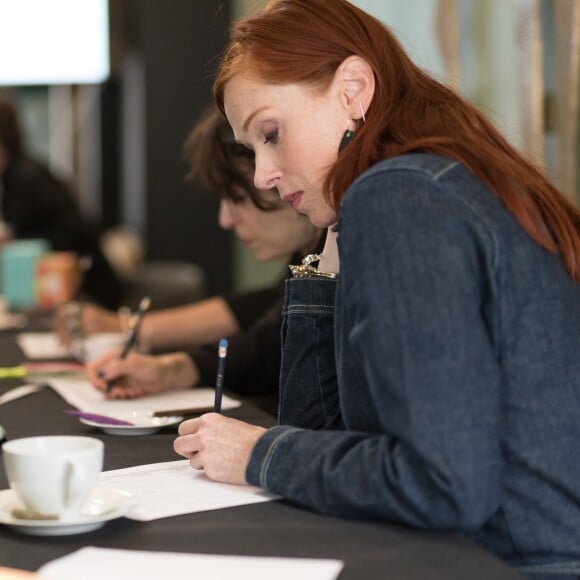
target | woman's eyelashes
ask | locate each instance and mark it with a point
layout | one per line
(271, 137)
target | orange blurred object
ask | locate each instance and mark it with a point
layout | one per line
(57, 278)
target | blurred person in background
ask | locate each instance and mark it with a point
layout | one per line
(34, 203)
(271, 229)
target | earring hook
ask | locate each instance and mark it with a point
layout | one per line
(362, 112)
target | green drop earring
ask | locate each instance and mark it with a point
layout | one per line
(346, 139)
(348, 134)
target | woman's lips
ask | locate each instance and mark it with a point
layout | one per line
(294, 199)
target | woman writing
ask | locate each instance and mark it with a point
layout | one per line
(271, 230)
(452, 266)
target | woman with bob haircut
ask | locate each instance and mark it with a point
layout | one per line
(186, 337)
(448, 289)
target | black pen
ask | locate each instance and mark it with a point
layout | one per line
(219, 381)
(133, 333)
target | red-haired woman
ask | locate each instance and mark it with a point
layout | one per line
(454, 287)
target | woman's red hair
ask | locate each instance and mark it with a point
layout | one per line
(305, 41)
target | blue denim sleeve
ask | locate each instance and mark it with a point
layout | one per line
(418, 368)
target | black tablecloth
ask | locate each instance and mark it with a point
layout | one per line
(369, 549)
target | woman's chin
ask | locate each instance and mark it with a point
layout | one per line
(264, 256)
(322, 218)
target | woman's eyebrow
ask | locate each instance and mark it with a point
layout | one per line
(251, 116)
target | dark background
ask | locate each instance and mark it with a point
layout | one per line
(164, 57)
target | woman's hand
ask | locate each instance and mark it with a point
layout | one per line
(74, 319)
(138, 375)
(219, 445)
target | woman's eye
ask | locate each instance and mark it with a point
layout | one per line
(271, 138)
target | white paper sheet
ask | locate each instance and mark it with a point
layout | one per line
(96, 563)
(42, 345)
(174, 488)
(82, 395)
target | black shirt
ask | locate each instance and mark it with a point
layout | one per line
(254, 353)
(38, 205)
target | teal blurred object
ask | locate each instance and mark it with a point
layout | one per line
(18, 267)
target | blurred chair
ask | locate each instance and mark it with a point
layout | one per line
(167, 282)
(125, 250)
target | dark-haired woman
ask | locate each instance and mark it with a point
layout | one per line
(271, 229)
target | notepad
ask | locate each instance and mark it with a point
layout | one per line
(42, 345)
(92, 563)
(173, 488)
(85, 397)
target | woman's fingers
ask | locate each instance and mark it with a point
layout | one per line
(219, 445)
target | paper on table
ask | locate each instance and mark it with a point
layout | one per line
(82, 395)
(16, 574)
(174, 488)
(95, 563)
(18, 392)
(9, 320)
(42, 345)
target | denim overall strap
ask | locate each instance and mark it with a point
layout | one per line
(308, 385)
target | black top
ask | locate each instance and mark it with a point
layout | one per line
(38, 205)
(254, 353)
(253, 361)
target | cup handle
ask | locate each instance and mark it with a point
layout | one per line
(75, 487)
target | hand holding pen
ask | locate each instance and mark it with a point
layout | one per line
(219, 445)
(134, 326)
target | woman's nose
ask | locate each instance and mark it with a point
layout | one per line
(226, 215)
(266, 175)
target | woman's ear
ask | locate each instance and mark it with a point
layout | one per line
(356, 80)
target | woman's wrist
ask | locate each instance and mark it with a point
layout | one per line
(178, 371)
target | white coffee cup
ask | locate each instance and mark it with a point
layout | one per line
(53, 475)
(94, 345)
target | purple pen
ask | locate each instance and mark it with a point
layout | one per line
(102, 419)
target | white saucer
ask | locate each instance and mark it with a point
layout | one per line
(144, 423)
(103, 505)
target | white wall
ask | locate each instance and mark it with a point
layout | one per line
(488, 72)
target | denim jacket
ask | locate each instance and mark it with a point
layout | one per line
(457, 346)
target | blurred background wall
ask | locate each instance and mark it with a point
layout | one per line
(120, 140)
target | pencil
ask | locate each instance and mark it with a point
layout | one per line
(133, 333)
(219, 381)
